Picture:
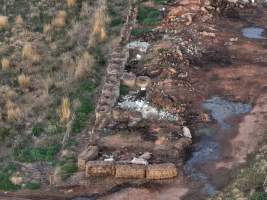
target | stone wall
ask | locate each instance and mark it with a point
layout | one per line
(111, 87)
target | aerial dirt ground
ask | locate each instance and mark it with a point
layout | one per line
(221, 86)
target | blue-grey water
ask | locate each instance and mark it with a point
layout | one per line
(208, 149)
(253, 33)
(222, 109)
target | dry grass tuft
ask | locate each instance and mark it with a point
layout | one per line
(24, 81)
(3, 21)
(13, 111)
(64, 110)
(71, 3)
(101, 19)
(60, 20)
(7, 92)
(84, 65)
(19, 20)
(5, 63)
(47, 28)
(29, 53)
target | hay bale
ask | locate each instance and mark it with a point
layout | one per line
(161, 171)
(130, 171)
(99, 168)
(89, 153)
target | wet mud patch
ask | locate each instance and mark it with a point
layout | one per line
(210, 145)
(222, 109)
(254, 33)
(213, 57)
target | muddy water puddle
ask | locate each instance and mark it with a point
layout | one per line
(253, 33)
(209, 147)
(222, 109)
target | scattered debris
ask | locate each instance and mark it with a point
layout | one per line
(139, 161)
(187, 132)
(146, 156)
(138, 57)
(141, 46)
(148, 111)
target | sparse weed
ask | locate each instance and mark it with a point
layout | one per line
(13, 111)
(68, 167)
(71, 3)
(3, 21)
(60, 20)
(5, 174)
(64, 110)
(4, 133)
(24, 81)
(29, 53)
(37, 130)
(148, 16)
(259, 196)
(84, 65)
(101, 19)
(5, 63)
(137, 32)
(19, 20)
(34, 154)
(34, 185)
(47, 28)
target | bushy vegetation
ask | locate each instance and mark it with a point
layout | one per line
(52, 59)
(248, 180)
(68, 166)
(5, 174)
(34, 154)
(259, 196)
(33, 185)
(137, 32)
(148, 15)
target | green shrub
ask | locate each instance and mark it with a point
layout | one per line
(5, 174)
(160, 1)
(29, 154)
(68, 166)
(124, 90)
(137, 32)
(84, 93)
(87, 86)
(259, 196)
(81, 114)
(33, 185)
(37, 130)
(148, 16)
(116, 22)
(4, 133)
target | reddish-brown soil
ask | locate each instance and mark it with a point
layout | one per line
(238, 72)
